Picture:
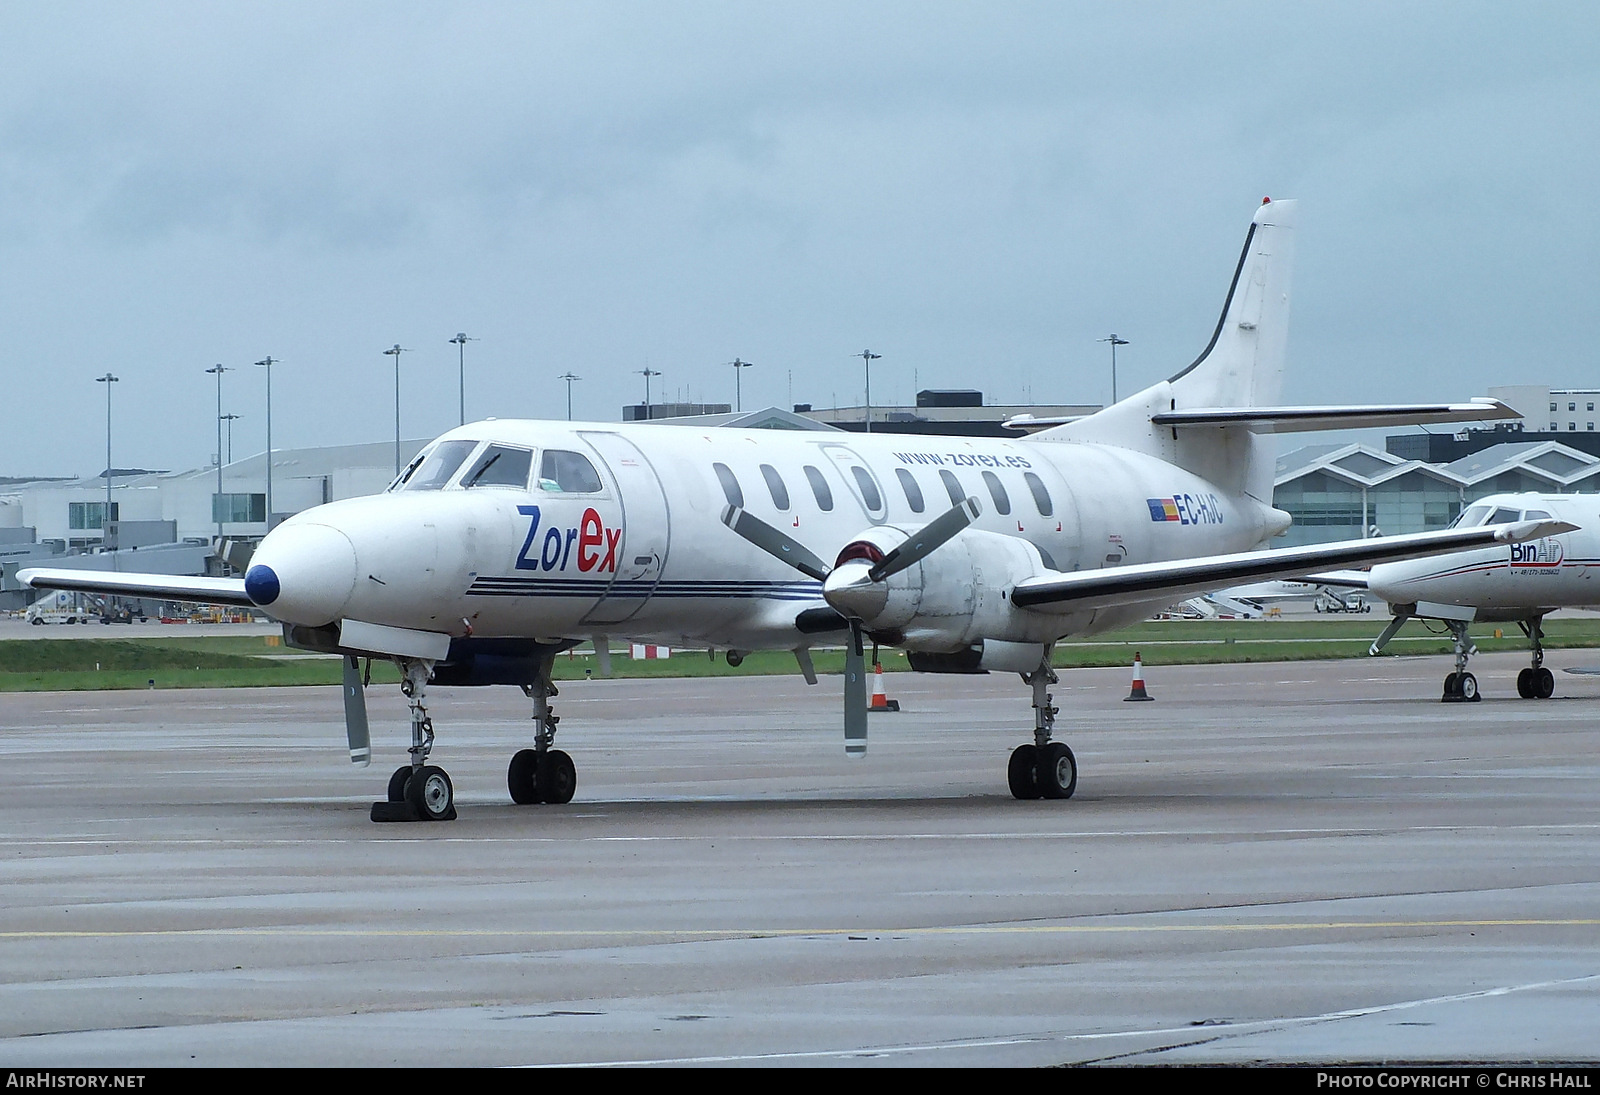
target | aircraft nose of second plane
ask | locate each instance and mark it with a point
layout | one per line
(303, 573)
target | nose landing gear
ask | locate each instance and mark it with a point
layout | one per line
(418, 791)
(1461, 686)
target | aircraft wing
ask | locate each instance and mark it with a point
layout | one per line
(167, 587)
(1186, 577)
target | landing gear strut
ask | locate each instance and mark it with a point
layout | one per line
(418, 791)
(1045, 769)
(542, 774)
(1461, 686)
(1536, 682)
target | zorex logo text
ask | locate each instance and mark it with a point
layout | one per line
(556, 551)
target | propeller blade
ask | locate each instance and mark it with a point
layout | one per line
(777, 544)
(855, 695)
(927, 539)
(355, 713)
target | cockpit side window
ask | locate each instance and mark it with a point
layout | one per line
(1535, 515)
(500, 466)
(1504, 515)
(437, 466)
(1472, 516)
(568, 473)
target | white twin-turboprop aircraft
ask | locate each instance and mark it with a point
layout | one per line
(1518, 583)
(506, 542)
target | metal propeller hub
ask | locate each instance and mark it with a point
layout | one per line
(854, 593)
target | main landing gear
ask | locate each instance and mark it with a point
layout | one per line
(542, 774)
(1536, 682)
(418, 791)
(1045, 769)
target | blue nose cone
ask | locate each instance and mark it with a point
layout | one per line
(261, 585)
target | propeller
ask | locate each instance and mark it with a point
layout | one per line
(857, 590)
(355, 713)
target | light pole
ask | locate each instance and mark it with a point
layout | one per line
(738, 374)
(395, 351)
(217, 505)
(229, 419)
(869, 357)
(105, 521)
(647, 373)
(460, 341)
(267, 363)
(569, 377)
(1115, 342)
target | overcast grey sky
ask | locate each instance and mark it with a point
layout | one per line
(976, 191)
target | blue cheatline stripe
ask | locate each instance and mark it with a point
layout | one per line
(516, 586)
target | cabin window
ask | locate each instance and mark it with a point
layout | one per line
(1041, 495)
(869, 489)
(908, 483)
(775, 486)
(568, 473)
(952, 487)
(1535, 515)
(997, 491)
(730, 485)
(500, 466)
(436, 467)
(819, 488)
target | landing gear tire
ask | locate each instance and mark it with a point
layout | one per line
(1544, 683)
(1467, 688)
(558, 778)
(1057, 771)
(397, 783)
(1022, 772)
(430, 794)
(1451, 695)
(522, 777)
(1525, 684)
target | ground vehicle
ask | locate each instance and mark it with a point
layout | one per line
(61, 607)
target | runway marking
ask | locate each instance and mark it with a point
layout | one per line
(753, 838)
(791, 933)
(1213, 1033)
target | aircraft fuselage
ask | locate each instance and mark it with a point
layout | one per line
(641, 551)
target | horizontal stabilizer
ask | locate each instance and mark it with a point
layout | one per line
(1174, 581)
(1342, 579)
(166, 587)
(1303, 419)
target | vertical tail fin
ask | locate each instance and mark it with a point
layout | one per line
(1242, 366)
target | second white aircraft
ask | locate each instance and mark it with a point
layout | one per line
(1508, 583)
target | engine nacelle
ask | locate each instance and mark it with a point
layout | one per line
(957, 596)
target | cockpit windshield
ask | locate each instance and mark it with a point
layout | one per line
(500, 466)
(436, 466)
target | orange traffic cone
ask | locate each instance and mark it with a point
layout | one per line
(880, 698)
(1138, 692)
